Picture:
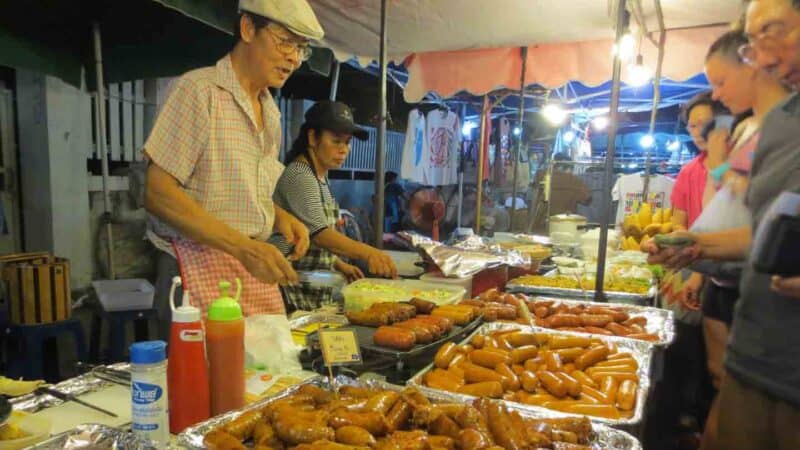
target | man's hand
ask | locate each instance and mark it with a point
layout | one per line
(266, 263)
(789, 287)
(689, 296)
(673, 257)
(381, 264)
(294, 231)
(350, 272)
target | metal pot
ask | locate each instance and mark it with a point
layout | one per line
(566, 227)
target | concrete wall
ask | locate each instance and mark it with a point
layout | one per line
(55, 121)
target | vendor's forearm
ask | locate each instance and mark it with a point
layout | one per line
(166, 200)
(340, 244)
(727, 245)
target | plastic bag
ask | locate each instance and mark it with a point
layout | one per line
(269, 346)
(724, 212)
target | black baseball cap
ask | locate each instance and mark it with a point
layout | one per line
(334, 116)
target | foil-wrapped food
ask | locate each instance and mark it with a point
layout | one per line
(312, 417)
(96, 437)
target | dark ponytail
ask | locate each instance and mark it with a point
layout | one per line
(300, 146)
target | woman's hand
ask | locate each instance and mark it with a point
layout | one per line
(789, 287)
(718, 147)
(689, 296)
(350, 272)
(294, 231)
(380, 264)
(673, 257)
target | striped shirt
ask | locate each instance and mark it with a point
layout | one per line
(206, 137)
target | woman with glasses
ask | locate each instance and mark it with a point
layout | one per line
(213, 166)
(743, 90)
(322, 145)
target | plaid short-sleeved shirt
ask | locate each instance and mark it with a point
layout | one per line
(206, 137)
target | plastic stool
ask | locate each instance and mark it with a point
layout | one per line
(33, 337)
(117, 326)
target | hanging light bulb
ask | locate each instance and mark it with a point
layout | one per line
(568, 136)
(517, 131)
(674, 146)
(554, 114)
(647, 141)
(467, 128)
(639, 74)
(626, 47)
(600, 123)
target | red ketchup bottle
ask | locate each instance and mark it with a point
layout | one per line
(187, 369)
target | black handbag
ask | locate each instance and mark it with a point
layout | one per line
(780, 255)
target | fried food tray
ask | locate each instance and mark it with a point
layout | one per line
(640, 350)
(613, 296)
(605, 437)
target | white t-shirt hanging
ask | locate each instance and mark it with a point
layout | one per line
(628, 192)
(412, 167)
(443, 140)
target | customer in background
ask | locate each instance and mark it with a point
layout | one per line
(750, 94)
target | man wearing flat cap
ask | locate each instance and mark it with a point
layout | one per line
(213, 165)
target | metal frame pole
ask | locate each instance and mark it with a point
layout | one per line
(334, 81)
(481, 154)
(101, 145)
(524, 55)
(622, 25)
(461, 170)
(380, 151)
(662, 39)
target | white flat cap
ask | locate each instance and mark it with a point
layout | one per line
(296, 15)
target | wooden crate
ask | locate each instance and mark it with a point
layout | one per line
(37, 287)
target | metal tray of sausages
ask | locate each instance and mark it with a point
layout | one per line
(640, 350)
(605, 437)
(659, 321)
(365, 340)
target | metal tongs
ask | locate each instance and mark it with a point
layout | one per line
(63, 396)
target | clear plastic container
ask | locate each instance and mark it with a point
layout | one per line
(149, 404)
(363, 293)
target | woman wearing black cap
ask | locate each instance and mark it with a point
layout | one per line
(322, 145)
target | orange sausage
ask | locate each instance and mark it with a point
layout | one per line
(478, 374)
(609, 386)
(606, 411)
(553, 361)
(595, 394)
(520, 338)
(645, 337)
(621, 355)
(614, 368)
(569, 368)
(529, 381)
(570, 354)
(583, 379)
(573, 386)
(617, 329)
(478, 340)
(534, 399)
(563, 320)
(512, 383)
(438, 379)
(457, 359)
(641, 321)
(488, 359)
(619, 376)
(596, 330)
(518, 369)
(596, 320)
(626, 395)
(532, 365)
(559, 342)
(618, 362)
(591, 357)
(445, 355)
(521, 354)
(491, 389)
(553, 384)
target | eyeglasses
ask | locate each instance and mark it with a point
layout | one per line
(766, 39)
(287, 46)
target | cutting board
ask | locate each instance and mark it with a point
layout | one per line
(115, 398)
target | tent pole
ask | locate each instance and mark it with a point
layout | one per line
(662, 39)
(481, 154)
(524, 55)
(101, 145)
(380, 153)
(621, 25)
(334, 81)
(461, 170)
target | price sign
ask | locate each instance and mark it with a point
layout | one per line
(339, 346)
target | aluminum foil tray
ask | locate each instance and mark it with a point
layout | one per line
(659, 321)
(82, 384)
(94, 436)
(606, 438)
(641, 351)
(309, 319)
(614, 297)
